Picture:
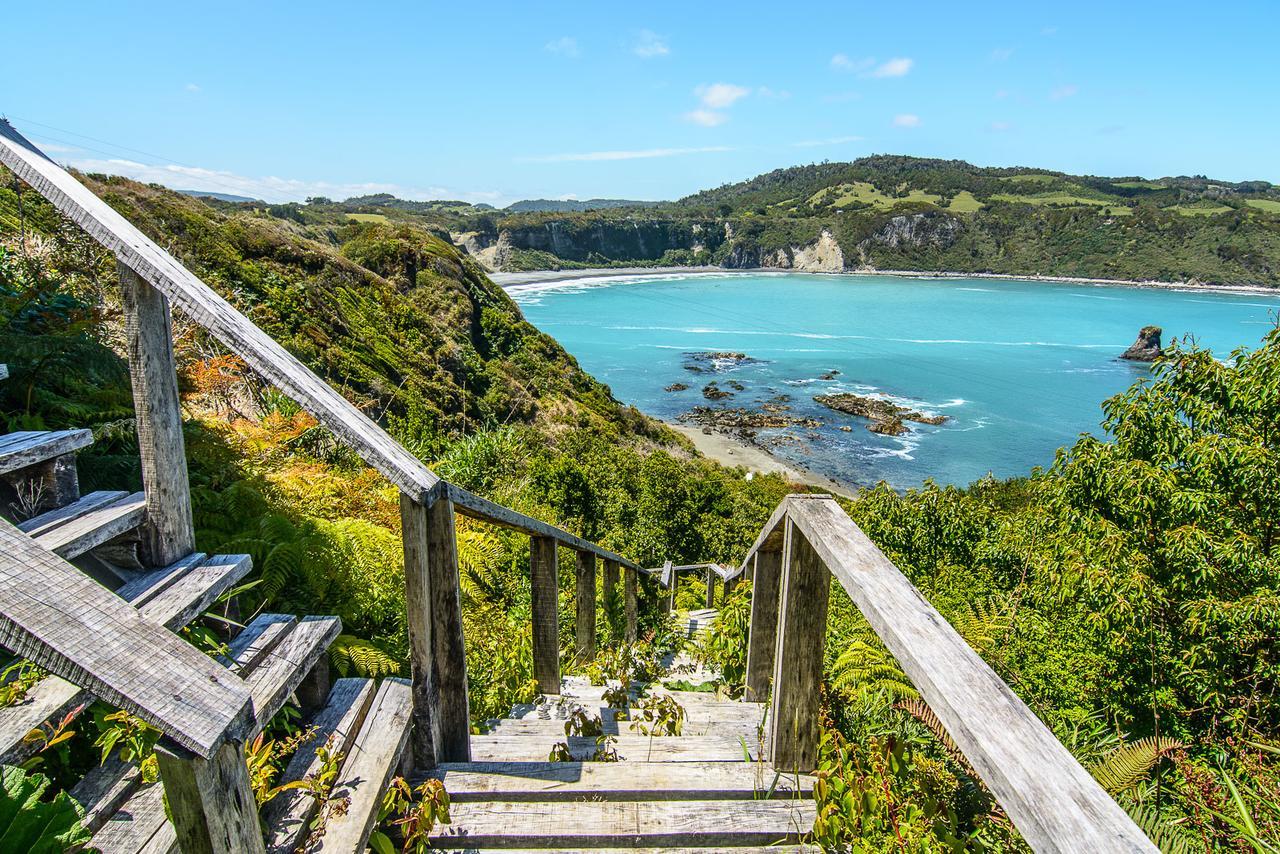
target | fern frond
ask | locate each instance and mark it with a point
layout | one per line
(1168, 837)
(866, 666)
(1125, 766)
(350, 654)
(920, 710)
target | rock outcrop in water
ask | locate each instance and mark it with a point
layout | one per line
(716, 362)
(885, 417)
(1147, 348)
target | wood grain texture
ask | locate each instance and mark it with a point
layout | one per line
(544, 589)
(762, 633)
(210, 801)
(94, 527)
(629, 581)
(617, 781)
(1054, 802)
(169, 532)
(46, 522)
(626, 824)
(415, 526)
(287, 815)
(632, 747)
(286, 664)
(198, 301)
(585, 605)
(21, 450)
(55, 616)
(370, 764)
(447, 641)
(803, 593)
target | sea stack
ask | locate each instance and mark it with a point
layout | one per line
(1147, 348)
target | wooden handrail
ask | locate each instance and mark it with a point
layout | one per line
(1054, 802)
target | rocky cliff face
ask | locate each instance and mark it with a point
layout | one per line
(824, 255)
(915, 231)
(1147, 348)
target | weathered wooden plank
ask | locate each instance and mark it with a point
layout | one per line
(415, 528)
(45, 522)
(631, 746)
(609, 595)
(627, 823)
(585, 601)
(621, 781)
(4, 372)
(449, 651)
(55, 616)
(1054, 802)
(544, 582)
(470, 504)
(76, 536)
(249, 648)
(196, 590)
(287, 663)
(701, 724)
(629, 582)
(762, 633)
(267, 358)
(371, 763)
(21, 450)
(287, 815)
(210, 801)
(169, 532)
(666, 849)
(803, 591)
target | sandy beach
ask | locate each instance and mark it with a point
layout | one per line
(734, 452)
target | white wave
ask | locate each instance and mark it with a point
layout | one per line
(1094, 296)
(979, 290)
(1233, 302)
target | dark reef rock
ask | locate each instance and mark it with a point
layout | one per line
(830, 375)
(716, 362)
(1147, 348)
(742, 420)
(713, 392)
(886, 417)
(676, 387)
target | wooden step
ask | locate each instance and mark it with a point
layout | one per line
(620, 781)
(139, 821)
(287, 815)
(745, 849)
(370, 765)
(703, 725)
(626, 824)
(631, 747)
(172, 596)
(94, 526)
(46, 522)
(29, 448)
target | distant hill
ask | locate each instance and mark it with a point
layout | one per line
(222, 197)
(574, 205)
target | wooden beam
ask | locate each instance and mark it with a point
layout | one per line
(57, 617)
(609, 595)
(415, 535)
(544, 583)
(1057, 806)
(804, 591)
(168, 533)
(205, 307)
(629, 581)
(446, 635)
(762, 632)
(211, 801)
(585, 600)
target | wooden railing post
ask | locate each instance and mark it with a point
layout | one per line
(612, 569)
(169, 533)
(585, 633)
(711, 587)
(433, 599)
(546, 616)
(629, 582)
(805, 589)
(210, 800)
(762, 632)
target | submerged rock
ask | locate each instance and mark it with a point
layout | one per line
(713, 392)
(716, 362)
(1147, 348)
(885, 416)
(676, 387)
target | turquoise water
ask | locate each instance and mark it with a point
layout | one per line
(1019, 367)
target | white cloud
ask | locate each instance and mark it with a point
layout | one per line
(192, 87)
(719, 96)
(272, 188)
(897, 67)
(52, 147)
(1064, 92)
(815, 143)
(649, 44)
(906, 120)
(706, 118)
(565, 46)
(640, 154)
(1001, 54)
(842, 62)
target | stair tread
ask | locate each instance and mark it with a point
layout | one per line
(93, 527)
(371, 763)
(274, 673)
(561, 781)
(626, 823)
(736, 849)
(191, 586)
(746, 728)
(46, 522)
(29, 448)
(630, 747)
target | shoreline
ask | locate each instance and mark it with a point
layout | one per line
(543, 277)
(735, 453)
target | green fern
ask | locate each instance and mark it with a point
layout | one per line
(867, 667)
(920, 710)
(1168, 837)
(352, 655)
(1125, 766)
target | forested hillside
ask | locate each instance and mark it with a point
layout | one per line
(1129, 592)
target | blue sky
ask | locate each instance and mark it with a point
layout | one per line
(500, 101)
